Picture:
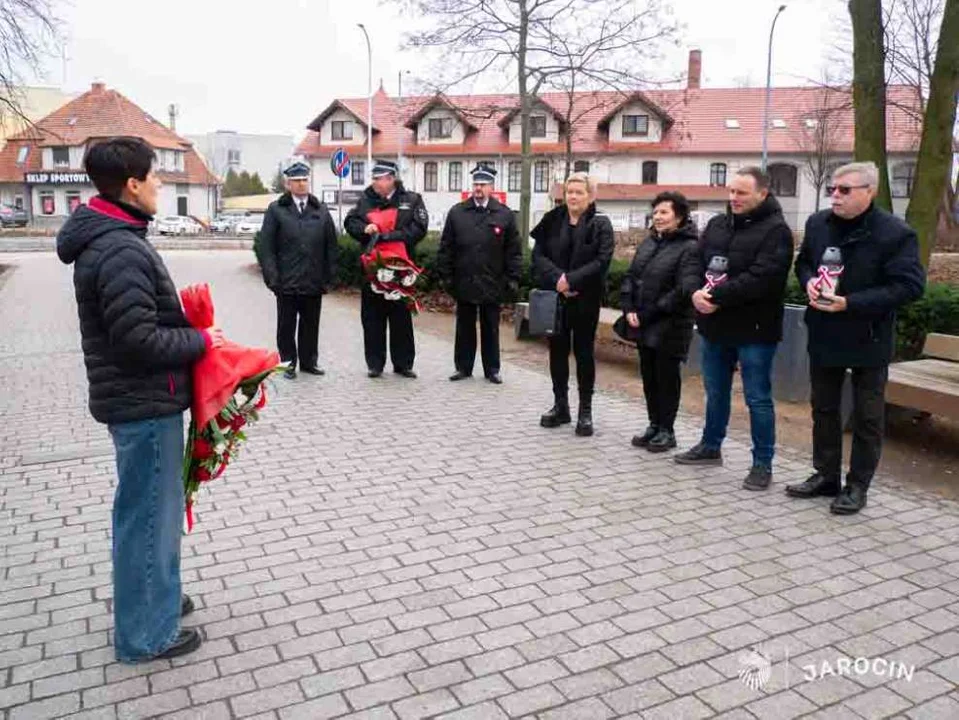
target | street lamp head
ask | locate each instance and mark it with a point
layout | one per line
(781, 8)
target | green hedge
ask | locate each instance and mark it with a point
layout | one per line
(936, 311)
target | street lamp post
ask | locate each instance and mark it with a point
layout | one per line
(369, 102)
(399, 154)
(769, 79)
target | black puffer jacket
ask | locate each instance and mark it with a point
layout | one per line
(480, 256)
(137, 345)
(412, 220)
(881, 272)
(759, 246)
(664, 273)
(582, 252)
(298, 252)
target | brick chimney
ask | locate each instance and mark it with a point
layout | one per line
(98, 86)
(695, 73)
(173, 113)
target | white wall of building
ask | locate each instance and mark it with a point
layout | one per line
(439, 113)
(655, 127)
(359, 131)
(552, 128)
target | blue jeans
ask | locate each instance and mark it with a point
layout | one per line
(756, 366)
(147, 526)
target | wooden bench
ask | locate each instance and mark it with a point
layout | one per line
(930, 385)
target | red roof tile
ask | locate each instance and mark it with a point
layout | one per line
(699, 122)
(100, 113)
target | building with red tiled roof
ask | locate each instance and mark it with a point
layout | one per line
(41, 169)
(635, 144)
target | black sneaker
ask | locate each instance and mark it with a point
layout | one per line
(459, 375)
(374, 373)
(758, 478)
(313, 371)
(406, 372)
(186, 606)
(699, 455)
(290, 373)
(187, 641)
(641, 441)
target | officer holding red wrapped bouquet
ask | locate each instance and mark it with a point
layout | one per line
(387, 213)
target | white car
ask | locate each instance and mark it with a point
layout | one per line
(222, 224)
(249, 225)
(178, 225)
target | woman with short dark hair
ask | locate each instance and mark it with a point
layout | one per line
(655, 299)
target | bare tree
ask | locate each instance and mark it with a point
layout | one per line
(28, 30)
(534, 43)
(869, 90)
(819, 135)
(934, 164)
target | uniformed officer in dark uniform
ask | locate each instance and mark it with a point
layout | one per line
(377, 312)
(480, 259)
(297, 255)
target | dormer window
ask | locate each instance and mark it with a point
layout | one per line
(732, 124)
(440, 128)
(22, 154)
(779, 123)
(342, 129)
(61, 157)
(537, 126)
(635, 125)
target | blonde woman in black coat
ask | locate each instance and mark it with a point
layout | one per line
(655, 298)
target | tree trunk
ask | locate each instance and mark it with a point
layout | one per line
(525, 147)
(934, 165)
(869, 90)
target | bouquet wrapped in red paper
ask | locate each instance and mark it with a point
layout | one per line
(228, 393)
(388, 266)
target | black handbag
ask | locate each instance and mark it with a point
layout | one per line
(545, 316)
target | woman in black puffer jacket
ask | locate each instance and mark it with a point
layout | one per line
(655, 299)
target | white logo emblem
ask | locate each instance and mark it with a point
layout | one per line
(754, 668)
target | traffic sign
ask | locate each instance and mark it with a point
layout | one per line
(340, 163)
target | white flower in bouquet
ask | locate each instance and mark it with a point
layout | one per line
(385, 275)
(393, 295)
(409, 280)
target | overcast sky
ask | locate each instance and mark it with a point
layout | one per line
(273, 68)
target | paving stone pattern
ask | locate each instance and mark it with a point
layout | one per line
(411, 549)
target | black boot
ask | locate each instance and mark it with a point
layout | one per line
(815, 486)
(643, 440)
(851, 500)
(584, 423)
(557, 415)
(661, 442)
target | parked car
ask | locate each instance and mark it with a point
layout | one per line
(249, 225)
(178, 225)
(222, 224)
(13, 217)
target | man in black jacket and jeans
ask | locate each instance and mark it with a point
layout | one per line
(298, 259)
(481, 260)
(386, 193)
(138, 349)
(740, 317)
(851, 327)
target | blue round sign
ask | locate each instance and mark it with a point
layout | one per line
(340, 163)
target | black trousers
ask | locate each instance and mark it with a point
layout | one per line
(464, 352)
(662, 385)
(869, 389)
(376, 314)
(298, 341)
(580, 319)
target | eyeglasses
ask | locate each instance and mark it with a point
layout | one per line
(843, 189)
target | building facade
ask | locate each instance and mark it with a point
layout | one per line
(225, 150)
(41, 169)
(635, 145)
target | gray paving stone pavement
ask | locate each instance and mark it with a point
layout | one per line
(411, 549)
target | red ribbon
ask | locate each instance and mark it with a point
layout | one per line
(189, 516)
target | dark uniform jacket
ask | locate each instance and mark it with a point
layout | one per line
(664, 274)
(881, 272)
(480, 256)
(412, 221)
(298, 251)
(759, 247)
(583, 252)
(138, 347)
